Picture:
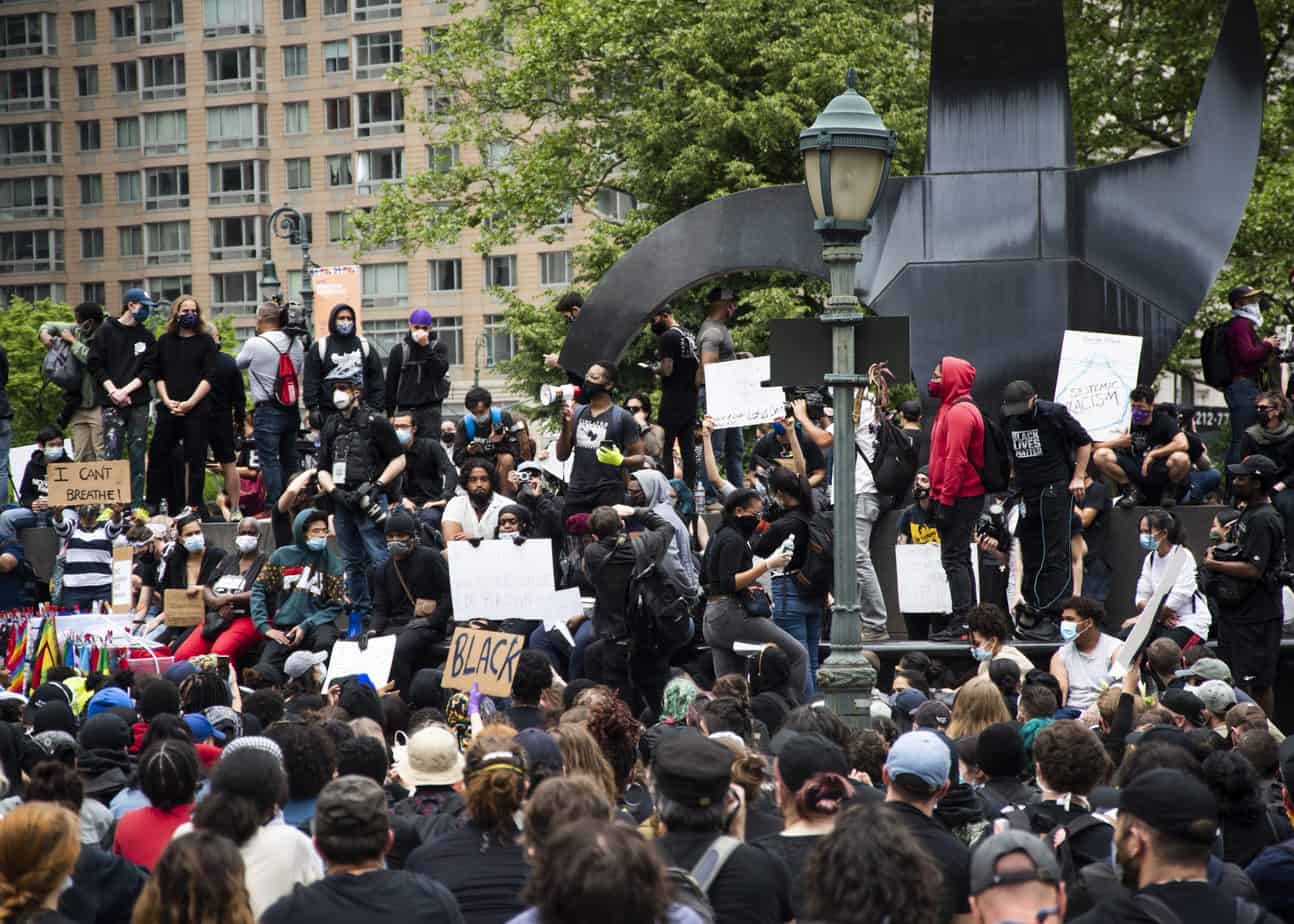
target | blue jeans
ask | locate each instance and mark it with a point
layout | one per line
(1241, 396)
(583, 638)
(276, 447)
(125, 430)
(16, 518)
(362, 547)
(6, 442)
(800, 616)
(1202, 483)
(729, 447)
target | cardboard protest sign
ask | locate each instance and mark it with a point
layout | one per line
(734, 396)
(336, 285)
(74, 483)
(182, 610)
(123, 561)
(482, 657)
(499, 579)
(1096, 374)
(1141, 629)
(923, 586)
(375, 661)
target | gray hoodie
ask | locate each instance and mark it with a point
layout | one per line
(657, 489)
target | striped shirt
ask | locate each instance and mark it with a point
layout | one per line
(87, 559)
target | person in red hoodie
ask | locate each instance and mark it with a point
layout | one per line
(956, 457)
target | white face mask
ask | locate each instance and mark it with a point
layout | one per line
(341, 399)
(247, 543)
(420, 337)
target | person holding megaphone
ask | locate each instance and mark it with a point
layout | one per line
(605, 441)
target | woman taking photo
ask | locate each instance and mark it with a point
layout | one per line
(736, 611)
(39, 845)
(1184, 616)
(228, 628)
(186, 362)
(190, 567)
(795, 608)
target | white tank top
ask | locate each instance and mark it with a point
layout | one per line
(1087, 672)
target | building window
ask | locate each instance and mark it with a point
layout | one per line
(567, 216)
(163, 77)
(431, 38)
(373, 10)
(294, 9)
(298, 169)
(166, 132)
(339, 227)
(125, 77)
(234, 238)
(386, 285)
(296, 118)
(29, 143)
(337, 114)
(555, 268)
(381, 113)
(614, 204)
(169, 288)
(125, 285)
(235, 70)
(235, 182)
(294, 61)
(87, 135)
(91, 243)
(161, 21)
(235, 291)
(339, 170)
(446, 275)
(130, 187)
(31, 197)
(501, 271)
(128, 133)
(91, 188)
(130, 241)
(83, 31)
(499, 343)
(123, 22)
(336, 7)
(236, 127)
(232, 17)
(166, 188)
(87, 81)
(449, 331)
(31, 251)
(438, 101)
(336, 56)
(168, 242)
(94, 292)
(495, 156)
(377, 168)
(442, 158)
(376, 52)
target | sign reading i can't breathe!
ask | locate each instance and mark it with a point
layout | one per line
(75, 483)
(482, 657)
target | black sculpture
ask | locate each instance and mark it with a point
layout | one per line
(1002, 244)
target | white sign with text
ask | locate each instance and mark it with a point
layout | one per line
(735, 397)
(1096, 374)
(923, 587)
(499, 579)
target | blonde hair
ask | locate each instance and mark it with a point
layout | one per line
(581, 754)
(978, 705)
(39, 844)
(199, 879)
(173, 322)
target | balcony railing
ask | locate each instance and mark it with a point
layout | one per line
(22, 158)
(372, 71)
(234, 28)
(373, 187)
(156, 149)
(238, 197)
(235, 85)
(29, 50)
(163, 36)
(29, 104)
(385, 301)
(162, 91)
(162, 203)
(246, 307)
(374, 129)
(237, 252)
(169, 256)
(32, 265)
(26, 212)
(376, 11)
(229, 144)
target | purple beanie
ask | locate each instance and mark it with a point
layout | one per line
(420, 316)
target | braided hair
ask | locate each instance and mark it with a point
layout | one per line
(168, 774)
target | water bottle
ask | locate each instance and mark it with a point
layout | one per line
(356, 625)
(698, 497)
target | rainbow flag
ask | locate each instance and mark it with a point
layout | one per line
(18, 681)
(17, 653)
(46, 654)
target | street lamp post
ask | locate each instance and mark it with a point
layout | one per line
(847, 153)
(287, 224)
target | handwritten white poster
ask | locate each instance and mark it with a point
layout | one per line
(1097, 371)
(375, 660)
(499, 579)
(734, 396)
(923, 587)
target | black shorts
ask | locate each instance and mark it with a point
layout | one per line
(1252, 649)
(220, 437)
(1152, 485)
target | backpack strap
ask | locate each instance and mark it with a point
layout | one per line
(1247, 912)
(323, 347)
(469, 427)
(712, 862)
(1155, 909)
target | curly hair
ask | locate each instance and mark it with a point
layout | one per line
(39, 845)
(496, 776)
(581, 754)
(978, 705)
(199, 879)
(866, 752)
(309, 757)
(1234, 783)
(266, 704)
(840, 883)
(1070, 757)
(990, 621)
(591, 867)
(561, 800)
(616, 731)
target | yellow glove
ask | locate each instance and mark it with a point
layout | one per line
(610, 455)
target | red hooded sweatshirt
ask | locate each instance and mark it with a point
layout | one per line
(957, 441)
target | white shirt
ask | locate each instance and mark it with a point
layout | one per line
(460, 511)
(277, 858)
(865, 439)
(1183, 598)
(1089, 673)
(260, 357)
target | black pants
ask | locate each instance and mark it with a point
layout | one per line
(1043, 532)
(648, 673)
(274, 655)
(168, 432)
(955, 534)
(587, 501)
(685, 433)
(418, 644)
(426, 417)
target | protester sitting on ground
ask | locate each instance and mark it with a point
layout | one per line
(1001, 758)
(228, 628)
(191, 567)
(1272, 871)
(199, 879)
(1082, 665)
(1247, 827)
(39, 846)
(411, 599)
(168, 775)
(1184, 615)
(978, 705)
(474, 514)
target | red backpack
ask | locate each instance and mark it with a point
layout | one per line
(286, 390)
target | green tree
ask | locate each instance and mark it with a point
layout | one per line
(34, 403)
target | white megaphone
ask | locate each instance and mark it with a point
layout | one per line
(552, 394)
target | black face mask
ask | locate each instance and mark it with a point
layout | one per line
(595, 389)
(659, 327)
(920, 493)
(747, 524)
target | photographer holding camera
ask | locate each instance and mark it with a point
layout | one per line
(276, 426)
(1244, 581)
(487, 432)
(359, 457)
(776, 448)
(1049, 454)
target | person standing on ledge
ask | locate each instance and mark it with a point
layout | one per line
(1247, 353)
(715, 342)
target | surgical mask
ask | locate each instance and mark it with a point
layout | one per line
(398, 549)
(404, 436)
(317, 543)
(1148, 542)
(141, 314)
(420, 337)
(247, 543)
(195, 543)
(345, 328)
(482, 418)
(659, 327)
(981, 654)
(341, 399)
(935, 388)
(1141, 415)
(188, 321)
(54, 453)
(1068, 630)
(747, 524)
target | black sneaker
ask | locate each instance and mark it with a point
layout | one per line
(955, 631)
(1045, 629)
(1129, 499)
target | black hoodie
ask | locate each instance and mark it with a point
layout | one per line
(119, 354)
(415, 374)
(336, 349)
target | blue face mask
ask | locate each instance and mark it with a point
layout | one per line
(195, 543)
(54, 453)
(1148, 542)
(317, 543)
(1068, 630)
(188, 321)
(142, 313)
(981, 654)
(404, 436)
(345, 328)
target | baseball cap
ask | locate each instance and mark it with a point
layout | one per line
(1015, 399)
(299, 663)
(1173, 803)
(541, 750)
(984, 874)
(1243, 291)
(664, 308)
(721, 294)
(400, 520)
(431, 758)
(351, 806)
(202, 729)
(1257, 465)
(922, 754)
(1207, 668)
(420, 316)
(908, 701)
(137, 295)
(1217, 696)
(105, 733)
(1184, 703)
(692, 770)
(934, 715)
(107, 698)
(800, 757)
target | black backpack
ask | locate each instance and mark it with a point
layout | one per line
(995, 473)
(657, 614)
(895, 463)
(818, 570)
(1029, 818)
(1215, 358)
(692, 887)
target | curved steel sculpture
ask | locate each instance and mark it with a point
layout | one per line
(1002, 244)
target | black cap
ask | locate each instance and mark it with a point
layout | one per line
(1016, 397)
(801, 757)
(400, 521)
(50, 692)
(1257, 466)
(1173, 803)
(105, 732)
(1184, 703)
(692, 770)
(984, 874)
(541, 750)
(1242, 291)
(664, 308)
(933, 715)
(1001, 750)
(721, 294)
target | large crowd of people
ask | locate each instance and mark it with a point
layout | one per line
(667, 756)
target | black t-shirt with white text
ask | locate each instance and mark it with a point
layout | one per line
(615, 425)
(1159, 432)
(678, 390)
(1043, 442)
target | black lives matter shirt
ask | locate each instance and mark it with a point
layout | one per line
(1043, 443)
(678, 390)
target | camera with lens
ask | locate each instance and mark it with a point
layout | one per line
(813, 398)
(992, 525)
(1224, 588)
(366, 502)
